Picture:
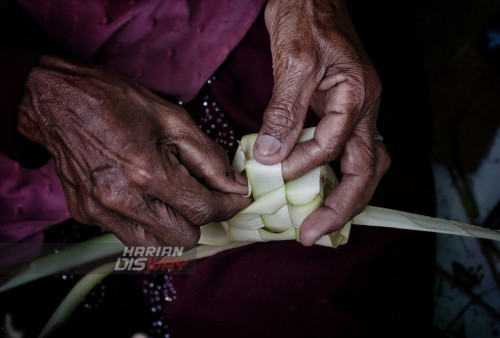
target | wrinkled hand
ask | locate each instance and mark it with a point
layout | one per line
(128, 160)
(318, 61)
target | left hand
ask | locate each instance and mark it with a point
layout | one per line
(128, 160)
(319, 61)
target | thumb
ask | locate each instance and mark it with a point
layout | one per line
(284, 118)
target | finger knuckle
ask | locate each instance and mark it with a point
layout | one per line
(280, 117)
(179, 232)
(179, 122)
(342, 216)
(109, 191)
(327, 151)
(365, 156)
(369, 169)
(111, 199)
(364, 80)
(201, 213)
(141, 176)
(187, 240)
(299, 61)
(175, 231)
(88, 212)
(139, 235)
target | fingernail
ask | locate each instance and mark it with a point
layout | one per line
(268, 145)
(240, 179)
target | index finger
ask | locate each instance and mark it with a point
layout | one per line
(197, 203)
(330, 136)
(204, 158)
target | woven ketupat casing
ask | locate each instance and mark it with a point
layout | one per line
(279, 207)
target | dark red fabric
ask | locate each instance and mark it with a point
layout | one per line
(380, 283)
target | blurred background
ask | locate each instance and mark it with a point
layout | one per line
(460, 50)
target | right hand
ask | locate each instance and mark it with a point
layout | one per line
(128, 160)
(319, 62)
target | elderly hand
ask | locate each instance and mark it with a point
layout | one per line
(128, 160)
(318, 61)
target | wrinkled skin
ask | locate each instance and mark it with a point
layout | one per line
(318, 61)
(128, 160)
(139, 166)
